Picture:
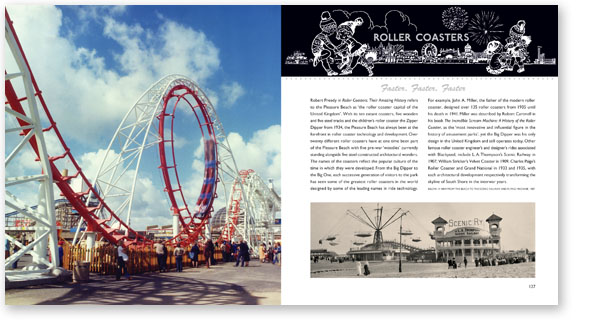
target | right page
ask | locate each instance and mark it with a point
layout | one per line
(420, 154)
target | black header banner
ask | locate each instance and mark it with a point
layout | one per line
(408, 41)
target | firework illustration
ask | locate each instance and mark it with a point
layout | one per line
(455, 18)
(484, 27)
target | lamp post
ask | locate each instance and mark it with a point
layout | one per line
(493, 253)
(400, 260)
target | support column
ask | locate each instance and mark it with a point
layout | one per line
(90, 242)
(175, 224)
(41, 248)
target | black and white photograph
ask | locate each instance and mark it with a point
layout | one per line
(422, 240)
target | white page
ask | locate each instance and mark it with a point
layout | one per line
(337, 130)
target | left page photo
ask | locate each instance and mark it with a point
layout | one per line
(142, 155)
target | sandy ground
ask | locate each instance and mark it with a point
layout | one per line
(221, 284)
(422, 270)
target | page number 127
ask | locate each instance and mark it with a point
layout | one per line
(532, 286)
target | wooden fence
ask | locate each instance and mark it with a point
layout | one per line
(103, 260)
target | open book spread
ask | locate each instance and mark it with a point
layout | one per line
(281, 154)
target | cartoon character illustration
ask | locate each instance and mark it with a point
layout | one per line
(516, 45)
(322, 47)
(505, 57)
(350, 50)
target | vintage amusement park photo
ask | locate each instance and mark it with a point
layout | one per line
(422, 240)
(142, 148)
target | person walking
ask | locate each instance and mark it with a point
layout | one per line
(15, 250)
(244, 252)
(261, 252)
(213, 261)
(228, 250)
(223, 248)
(236, 254)
(276, 256)
(159, 248)
(270, 253)
(178, 252)
(61, 253)
(165, 256)
(194, 253)
(234, 251)
(6, 249)
(465, 262)
(367, 271)
(122, 259)
(209, 249)
(278, 253)
(247, 254)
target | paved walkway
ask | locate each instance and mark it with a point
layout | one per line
(389, 269)
(221, 284)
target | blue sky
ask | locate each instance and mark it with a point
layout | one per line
(93, 62)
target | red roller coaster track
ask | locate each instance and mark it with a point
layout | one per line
(193, 223)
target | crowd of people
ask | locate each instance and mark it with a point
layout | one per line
(486, 261)
(234, 251)
(231, 251)
(270, 254)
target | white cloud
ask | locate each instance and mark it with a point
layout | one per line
(86, 15)
(98, 12)
(186, 51)
(231, 93)
(262, 153)
(88, 98)
(178, 140)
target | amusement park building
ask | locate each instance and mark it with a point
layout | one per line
(321, 254)
(467, 240)
(386, 250)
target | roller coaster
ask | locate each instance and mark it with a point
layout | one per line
(105, 203)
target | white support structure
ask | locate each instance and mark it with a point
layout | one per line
(256, 217)
(43, 215)
(132, 137)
